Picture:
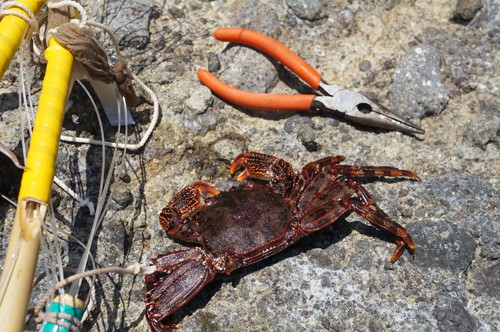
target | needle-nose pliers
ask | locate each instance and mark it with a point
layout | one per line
(353, 105)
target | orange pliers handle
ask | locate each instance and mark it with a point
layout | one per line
(275, 49)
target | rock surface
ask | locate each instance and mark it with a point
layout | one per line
(411, 56)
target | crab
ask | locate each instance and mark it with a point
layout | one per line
(270, 208)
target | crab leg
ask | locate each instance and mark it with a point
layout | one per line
(368, 209)
(179, 276)
(310, 170)
(173, 218)
(316, 166)
(264, 167)
(352, 171)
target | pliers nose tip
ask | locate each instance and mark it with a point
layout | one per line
(379, 116)
(396, 122)
(360, 109)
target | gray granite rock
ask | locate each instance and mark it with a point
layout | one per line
(486, 281)
(128, 20)
(443, 245)
(483, 131)
(489, 16)
(227, 148)
(417, 89)
(122, 195)
(249, 15)
(365, 65)
(451, 315)
(308, 10)
(466, 10)
(199, 101)
(303, 127)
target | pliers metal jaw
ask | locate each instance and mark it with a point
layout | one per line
(352, 105)
(360, 109)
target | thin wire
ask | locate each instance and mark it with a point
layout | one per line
(152, 95)
(8, 200)
(132, 147)
(56, 244)
(133, 269)
(101, 131)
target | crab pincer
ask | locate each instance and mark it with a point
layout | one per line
(268, 209)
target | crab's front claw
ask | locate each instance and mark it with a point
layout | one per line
(255, 165)
(174, 217)
(261, 166)
(264, 167)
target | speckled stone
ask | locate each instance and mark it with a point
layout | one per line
(451, 315)
(122, 195)
(483, 130)
(306, 9)
(466, 10)
(417, 89)
(486, 281)
(129, 21)
(443, 245)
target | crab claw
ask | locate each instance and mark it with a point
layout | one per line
(276, 171)
(182, 206)
(261, 166)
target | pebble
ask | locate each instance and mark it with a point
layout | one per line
(213, 62)
(228, 149)
(199, 101)
(365, 65)
(177, 12)
(306, 9)
(303, 126)
(466, 10)
(294, 122)
(417, 89)
(257, 16)
(121, 194)
(483, 129)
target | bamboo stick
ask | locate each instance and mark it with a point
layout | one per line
(36, 186)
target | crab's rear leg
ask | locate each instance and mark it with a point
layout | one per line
(175, 216)
(368, 209)
(179, 276)
(261, 166)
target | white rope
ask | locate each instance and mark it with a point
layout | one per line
(81, 11)
(152, 95)
(5, 10)
(147, 134)
(82, 22)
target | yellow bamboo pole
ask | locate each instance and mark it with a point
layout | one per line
(12, 29)
(36, 186)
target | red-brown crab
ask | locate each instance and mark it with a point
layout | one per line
(256, 219)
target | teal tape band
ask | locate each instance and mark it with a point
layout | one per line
(56, 307)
